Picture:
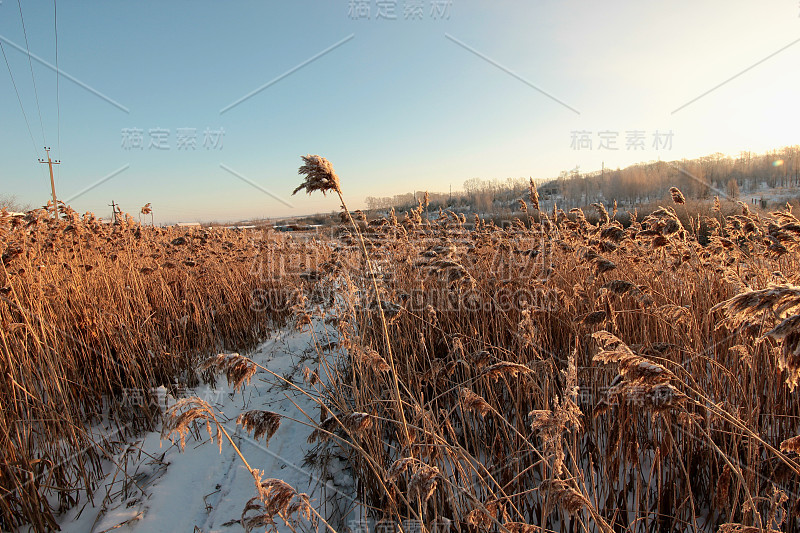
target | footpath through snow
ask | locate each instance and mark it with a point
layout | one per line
(151, 486)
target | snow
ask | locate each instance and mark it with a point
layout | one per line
(152, 486)
(773, 196)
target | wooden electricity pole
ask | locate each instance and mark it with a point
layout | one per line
(50, 163)
(114, 210)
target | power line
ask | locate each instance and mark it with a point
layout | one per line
(19, 99)
(58, 99)
(35, 92)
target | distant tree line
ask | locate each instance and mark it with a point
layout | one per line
(704, 177)
(478, 194)
(10, 202)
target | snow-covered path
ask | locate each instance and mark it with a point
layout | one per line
(160, 488)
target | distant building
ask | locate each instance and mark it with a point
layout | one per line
(298, 227)
(187, 225)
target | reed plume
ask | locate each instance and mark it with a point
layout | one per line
(238, 369)
(677, 196)
(533, 194)
(319, 176)
(260, 423)
(180, 417)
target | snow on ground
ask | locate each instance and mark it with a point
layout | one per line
(775, 195)
(152, 486)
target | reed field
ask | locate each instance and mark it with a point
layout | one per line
(90, 312)
(565, 372)
(559, 375)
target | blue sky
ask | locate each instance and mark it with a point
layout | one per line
(473, 89)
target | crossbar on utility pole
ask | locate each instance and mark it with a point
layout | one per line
(50, 163)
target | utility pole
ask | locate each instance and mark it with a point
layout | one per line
(113, 213)
(50, 163)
